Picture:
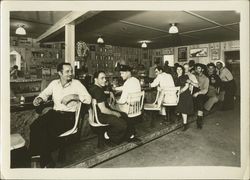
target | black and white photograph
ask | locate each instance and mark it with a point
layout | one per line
(125, 90)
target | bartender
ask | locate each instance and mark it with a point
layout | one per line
(14, 72)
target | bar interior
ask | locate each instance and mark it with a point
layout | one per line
(138, 42)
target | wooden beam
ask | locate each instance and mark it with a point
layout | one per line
(74, 16)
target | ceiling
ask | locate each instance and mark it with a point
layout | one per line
(35, 22)
(127, 28)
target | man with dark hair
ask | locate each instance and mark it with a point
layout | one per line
(214, 95)
(66, 94)
(117, 124)
(191, 64)
(200, 95)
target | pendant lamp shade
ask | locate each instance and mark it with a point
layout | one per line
(173, 29)
(100, 40)
(20, 30)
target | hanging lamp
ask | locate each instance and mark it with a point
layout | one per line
(173, 29)
(100, 40)
(20, 30)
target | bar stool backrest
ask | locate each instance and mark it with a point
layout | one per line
(171, 96)
(93, 117)
(135, 103)
(77, 117)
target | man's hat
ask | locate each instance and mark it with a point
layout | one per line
(125, 68)
(219, 61)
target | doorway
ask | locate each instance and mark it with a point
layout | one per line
(232, 61)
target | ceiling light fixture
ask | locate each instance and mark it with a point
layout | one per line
(144, 45)
(20, 30)
(173, 29)
(100, 40)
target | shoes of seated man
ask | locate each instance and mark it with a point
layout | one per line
(51, 164)
(35, 162)
(135, 140)
(206, 112)
(106, 135)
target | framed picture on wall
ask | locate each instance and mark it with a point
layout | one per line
(215, 54)
(182, 54)
(199, 52)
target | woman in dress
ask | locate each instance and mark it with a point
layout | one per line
(185, 105)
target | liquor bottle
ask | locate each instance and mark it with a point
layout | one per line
(22, 100)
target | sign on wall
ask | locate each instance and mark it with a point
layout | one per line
(182, 54)
(199, 52)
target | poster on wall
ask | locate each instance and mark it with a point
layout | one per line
(182, 54)
(199, 52)
(215, 54)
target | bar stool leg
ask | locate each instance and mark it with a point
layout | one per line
(62, 153)
(100, 138)
(152, 124)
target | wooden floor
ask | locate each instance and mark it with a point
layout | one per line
(86, 154)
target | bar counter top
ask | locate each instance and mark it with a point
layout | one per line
(16, 107)
(24, 80)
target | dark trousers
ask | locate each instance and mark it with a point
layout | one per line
(200, 101)
(45, 130)
(229, 88)
(117, 127)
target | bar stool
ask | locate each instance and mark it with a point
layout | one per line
(96, 125)
(19, 154)
(152, 107)
(170, 99)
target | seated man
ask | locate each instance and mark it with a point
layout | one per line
(200, 95)
(162, 81)
(214, 94)
(66, 94)
(117, 123)
(131, 85)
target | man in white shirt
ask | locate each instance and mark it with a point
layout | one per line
(228, 85)
(66, 94)
(162, 81)
(131, 85)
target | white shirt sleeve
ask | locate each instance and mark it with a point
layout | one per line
(124, 95)
(120, 88)
(156, 82)
(83, 94)
(48, 91)
(171, 81)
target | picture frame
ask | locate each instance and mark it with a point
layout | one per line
(199, 52)
(215, 54)
(182, 54)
